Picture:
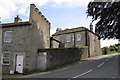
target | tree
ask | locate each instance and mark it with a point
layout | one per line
(108, 16)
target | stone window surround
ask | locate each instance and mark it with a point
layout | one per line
(8, 34)
(78, 37)
(3, 57)
(68, 38)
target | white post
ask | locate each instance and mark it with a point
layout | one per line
(0, 51)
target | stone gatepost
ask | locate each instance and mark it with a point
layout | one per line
(0, 51)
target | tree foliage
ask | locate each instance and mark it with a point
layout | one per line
(108, 16)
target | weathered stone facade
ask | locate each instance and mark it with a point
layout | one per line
(50, 58)
(77, 37)
(27, 38)
(0, 51)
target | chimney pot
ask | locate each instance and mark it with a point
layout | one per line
(91, 27)
(17, 19)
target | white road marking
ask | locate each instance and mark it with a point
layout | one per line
(101, 64)
(81, 74)
(107, 59)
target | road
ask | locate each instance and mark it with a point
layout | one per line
(100, 67)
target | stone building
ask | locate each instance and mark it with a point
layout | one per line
(77, 37)
(0, 52)
(21, 41)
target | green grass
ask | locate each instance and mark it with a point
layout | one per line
(112, 52)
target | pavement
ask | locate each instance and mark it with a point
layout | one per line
(104, 66)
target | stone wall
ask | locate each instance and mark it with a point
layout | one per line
(0, 52)
(61, 56)
(40, 34)
(94, 45)
(54, 44)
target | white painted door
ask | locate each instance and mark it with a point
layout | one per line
(19, 64)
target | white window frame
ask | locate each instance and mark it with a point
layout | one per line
(8, 57)
(68, 38)
(6, 36)
(78, 37)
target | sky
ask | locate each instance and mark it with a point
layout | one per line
(61, 13)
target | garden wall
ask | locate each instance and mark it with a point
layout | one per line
(60, 56)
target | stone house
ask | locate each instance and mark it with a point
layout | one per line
(0, 52)
(21, 41)
(77, 37)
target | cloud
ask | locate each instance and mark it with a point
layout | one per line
(69, 3)
(10, 8)
(108, 42)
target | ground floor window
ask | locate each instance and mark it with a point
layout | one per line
(6, 58)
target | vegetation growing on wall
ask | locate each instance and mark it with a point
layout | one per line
(70, 47)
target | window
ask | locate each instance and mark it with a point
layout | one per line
(78, 37)
(6, 58)
(68, 38)
(7, 36)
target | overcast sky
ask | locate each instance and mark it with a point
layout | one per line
(61, 13)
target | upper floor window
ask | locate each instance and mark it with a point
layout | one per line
(68, 38)
(6, 58)
(7, 36)
(78, 37)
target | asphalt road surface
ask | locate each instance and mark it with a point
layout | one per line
(100, 67)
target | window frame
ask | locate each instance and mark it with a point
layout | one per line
(8, 57)
(6, 36)
(78, 39)
(68, 38)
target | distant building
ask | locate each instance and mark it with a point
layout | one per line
(77, 37)
(21, 41)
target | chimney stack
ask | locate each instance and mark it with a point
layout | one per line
(91, 27)
(17, 19)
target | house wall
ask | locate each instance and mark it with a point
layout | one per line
(54, 44)
(40, 33)
(94, 45)
(26, 40)
(73, 36)
(20, 45)
(0, 51)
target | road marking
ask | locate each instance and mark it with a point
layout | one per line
(81, 74)
(101, 64)
(107, 59)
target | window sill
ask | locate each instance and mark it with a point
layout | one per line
(5, 64)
